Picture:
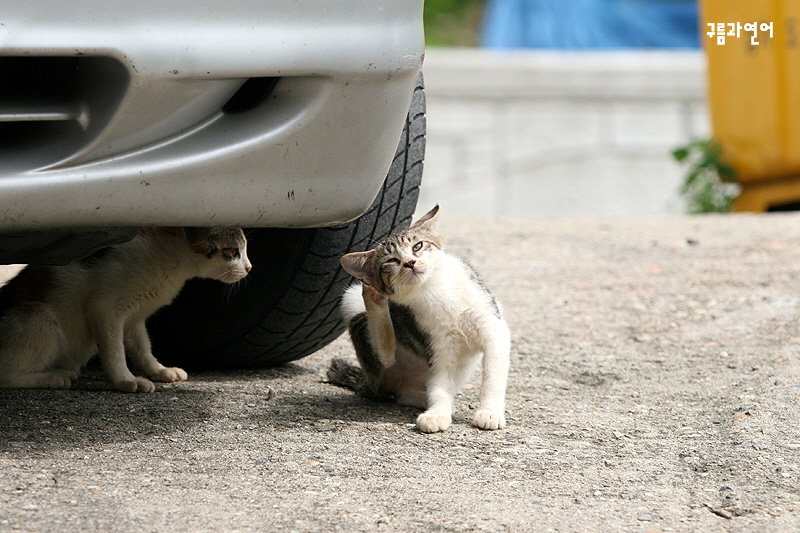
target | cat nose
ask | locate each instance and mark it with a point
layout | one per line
(410, 263)
(248, 267)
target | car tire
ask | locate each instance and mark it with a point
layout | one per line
(288, 307)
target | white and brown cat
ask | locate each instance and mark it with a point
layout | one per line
(53, 319)
(420, 322)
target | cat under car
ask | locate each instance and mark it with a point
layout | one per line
(421, 321)
(53, 319)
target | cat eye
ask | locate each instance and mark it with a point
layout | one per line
(231, 253)
(392, 260)
(417, 247)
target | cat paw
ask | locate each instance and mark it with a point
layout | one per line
(412, 398)
(136, 384)
(56, 379)
(433, 422)
(387, 360)
(68, 377)
(169, 375)
(487, 419)
(371, 293)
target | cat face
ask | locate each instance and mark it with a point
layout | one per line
(225, 251)
(404, 260)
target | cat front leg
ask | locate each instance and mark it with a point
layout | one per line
(441, 388)
(491, 412)
(137, 342)
(108, 334)
(379, 324)
(440, 413)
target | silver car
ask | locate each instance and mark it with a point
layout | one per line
(276, 115)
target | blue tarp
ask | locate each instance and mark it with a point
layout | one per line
(591, 24)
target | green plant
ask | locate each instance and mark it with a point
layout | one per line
(710, 185)
(453, 22)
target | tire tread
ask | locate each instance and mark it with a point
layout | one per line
(300, 325)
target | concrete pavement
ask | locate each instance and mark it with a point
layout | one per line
(654, 387)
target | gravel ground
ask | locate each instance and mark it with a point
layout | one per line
(654, 387)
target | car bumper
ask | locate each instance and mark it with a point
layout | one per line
(139, 136)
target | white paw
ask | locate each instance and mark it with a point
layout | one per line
(487, 419)
(169, 375)
(433, 422)
(136, 384)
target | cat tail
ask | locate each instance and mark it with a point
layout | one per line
(343, 374)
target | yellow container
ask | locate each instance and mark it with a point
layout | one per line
(754, 95)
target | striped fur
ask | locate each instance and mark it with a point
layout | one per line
(420, 322)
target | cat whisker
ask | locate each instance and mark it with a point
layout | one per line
(223, 275)
(440, 335)
(375, 242)
(67, 319)
(231, 289)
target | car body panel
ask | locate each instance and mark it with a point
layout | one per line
(143, 138)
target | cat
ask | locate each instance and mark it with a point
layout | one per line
(53, 319)
(419, 323)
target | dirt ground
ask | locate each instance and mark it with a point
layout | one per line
(655, 386)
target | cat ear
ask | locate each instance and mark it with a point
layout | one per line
(196, 235)
(358, 265)
(428, 219)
